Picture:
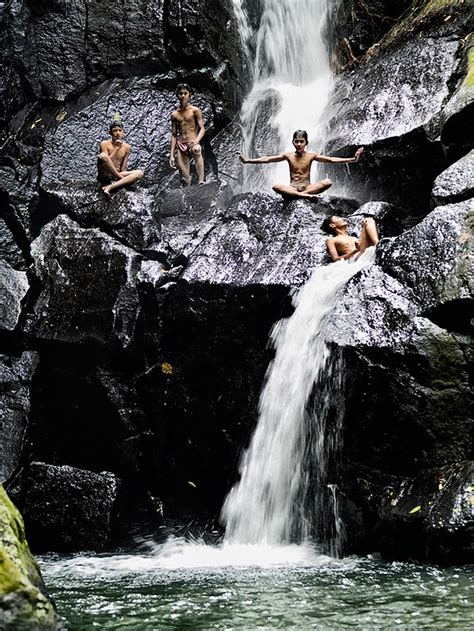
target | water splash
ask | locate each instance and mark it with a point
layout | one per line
(270, 503)
(291, 81)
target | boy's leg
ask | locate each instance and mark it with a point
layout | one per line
(318, 187)
(105, 168)
(129, 177)
(307, 193)
(197, 153)
(369, 235)
(183, 166)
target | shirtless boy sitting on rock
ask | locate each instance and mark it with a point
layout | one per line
(112, 162)
(300, 162)
(185, 121)
(343, 245)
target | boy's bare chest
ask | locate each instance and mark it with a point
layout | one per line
(186, 117)
(300, 163)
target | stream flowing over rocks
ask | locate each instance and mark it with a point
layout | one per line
(133, 332)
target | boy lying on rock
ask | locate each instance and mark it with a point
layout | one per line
(112, 162)
(300, 162)
(342, 245)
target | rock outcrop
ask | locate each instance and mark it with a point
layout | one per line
(400, 113)
(68, 509)
(24, 603)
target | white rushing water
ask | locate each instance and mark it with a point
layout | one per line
(268, 505)
(291, 81)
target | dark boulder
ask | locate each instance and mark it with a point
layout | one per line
(67, 509)
(402, 331)
(15, 385)
(428, 518)
(88, 285)
(456, 184)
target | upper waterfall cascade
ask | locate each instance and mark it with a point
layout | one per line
(291, 81)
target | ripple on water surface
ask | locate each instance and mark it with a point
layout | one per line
(194, 586)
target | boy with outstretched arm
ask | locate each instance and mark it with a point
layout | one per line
(299, 162)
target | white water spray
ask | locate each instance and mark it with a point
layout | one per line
(291, 81)
(268, 505)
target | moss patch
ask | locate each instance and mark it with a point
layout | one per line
(423, 14)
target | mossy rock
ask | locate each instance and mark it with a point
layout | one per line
(23, 599)
(424, 16)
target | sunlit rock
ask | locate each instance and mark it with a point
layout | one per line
(456, 183)
(260, 239)
(13, 287)
(130, 215)
(434, 258)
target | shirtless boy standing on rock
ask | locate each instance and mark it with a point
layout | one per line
(184, 123)
(112, 162)
(343, 245)
(300, 162)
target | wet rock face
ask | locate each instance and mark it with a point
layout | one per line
(392, 121)
(433, 259)
(89, 285)
(427, 518)
(63, 48)
(131, 216)
(406, 378)
(68, 509)
(15, 384)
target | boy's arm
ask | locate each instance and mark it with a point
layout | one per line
(263, 160)
(199, 124)
(173, 142)
(124, 163)
(332, 249)
(321, 158)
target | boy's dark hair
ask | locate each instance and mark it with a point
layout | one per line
(301, 133)
(115, 124)
(183, 86)
(326, 227)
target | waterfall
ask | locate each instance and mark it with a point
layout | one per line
(291, 81)
(287, 456)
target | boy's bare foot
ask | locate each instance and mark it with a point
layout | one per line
(106, 191)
